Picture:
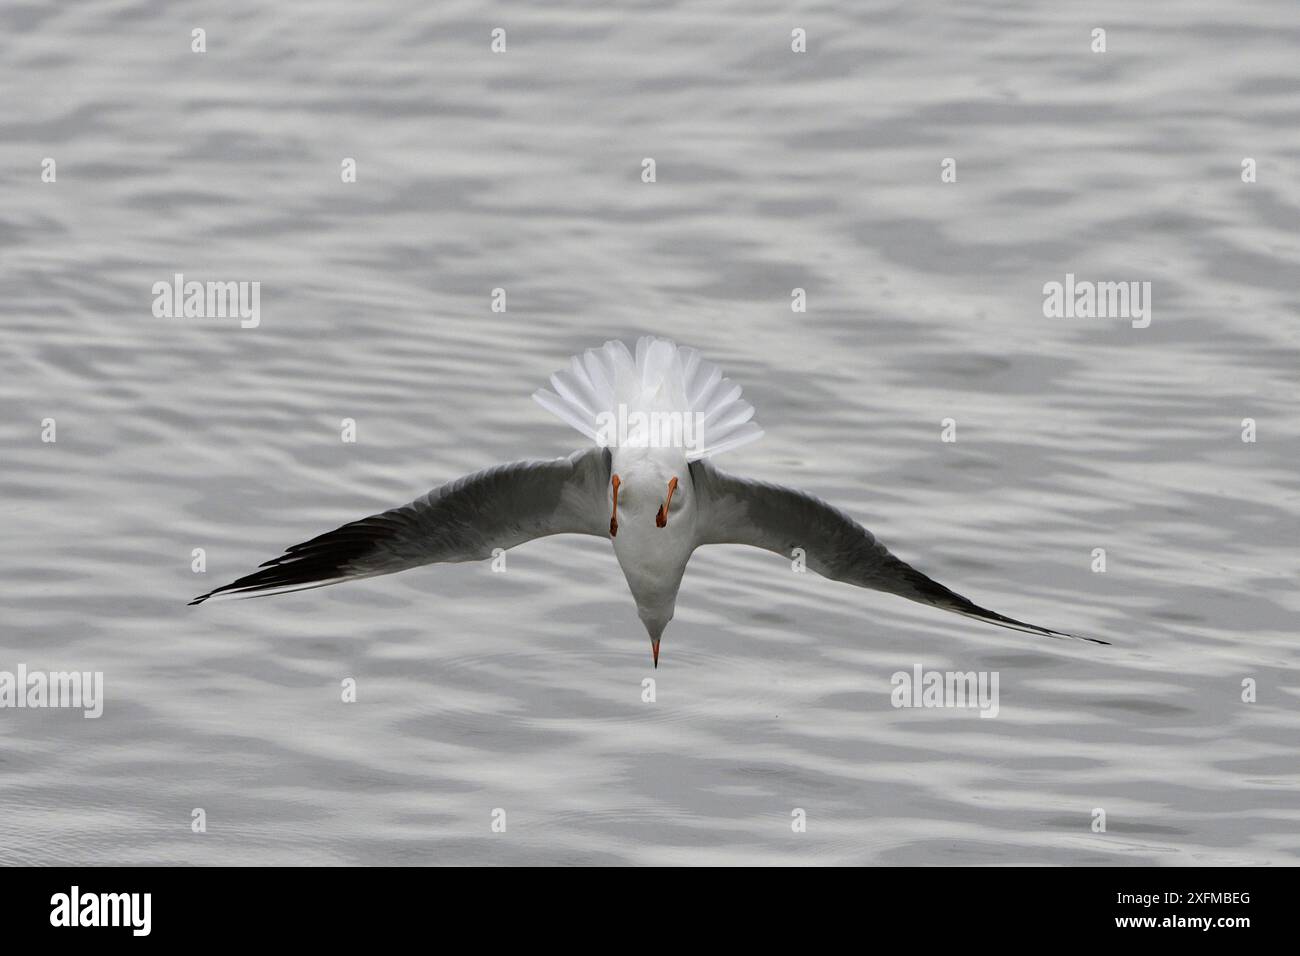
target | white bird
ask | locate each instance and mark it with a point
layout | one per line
(646, 483)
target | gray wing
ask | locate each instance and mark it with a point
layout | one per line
(464, 520)
(739, 511)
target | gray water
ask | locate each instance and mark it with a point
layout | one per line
(523, 691)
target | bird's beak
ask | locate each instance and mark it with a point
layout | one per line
(654, 646)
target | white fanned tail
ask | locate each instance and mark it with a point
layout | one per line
(663, 395)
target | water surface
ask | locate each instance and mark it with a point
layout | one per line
(775, 170)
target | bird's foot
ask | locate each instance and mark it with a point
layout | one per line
(613, 518)
(661, 519)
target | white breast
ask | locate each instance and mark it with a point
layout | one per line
(653, 559)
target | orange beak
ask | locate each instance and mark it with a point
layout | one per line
(654, 646)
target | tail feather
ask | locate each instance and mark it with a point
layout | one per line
(659, 377)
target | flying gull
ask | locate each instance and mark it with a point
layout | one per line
(655, 417)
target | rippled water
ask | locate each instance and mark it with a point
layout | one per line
(775, 170)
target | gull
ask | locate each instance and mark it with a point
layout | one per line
(655, 418)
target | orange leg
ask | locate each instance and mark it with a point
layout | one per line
(613, 518)
(661, 519)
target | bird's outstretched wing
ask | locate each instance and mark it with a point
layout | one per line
(739, 511)
(464, 520)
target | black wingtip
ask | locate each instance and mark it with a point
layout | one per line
(1051, 633)
(1001, 620)
(1092, 640)
(968, 608)
(1076, 637)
